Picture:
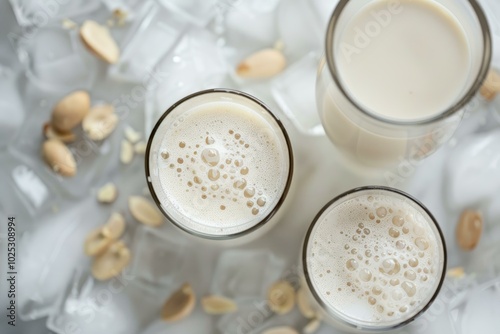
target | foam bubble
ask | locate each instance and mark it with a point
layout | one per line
(222, 156)
(381, 268)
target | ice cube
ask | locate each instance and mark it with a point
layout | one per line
(197, 320)
(47, 255)
(477, 310)
(251, 21)
(246, 274)
(250, 318)
(196, 12)
(476, 117)
(11, 109)
(473, 170)
(299, 28)
(485, 261)
(295, 93)
(30, 185)
(93, 159)
(246, 27)
(147, 41)
(492, 212)
(326, 329)
(159, 258)
(184, 71)
(125, 11)
(90, 306)
(55, 59)
(324, 10)
(40, 12)
(26, 194)
(130, 7)
(254, 317)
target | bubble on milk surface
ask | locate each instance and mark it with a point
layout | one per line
(399, 253)
(222, 168)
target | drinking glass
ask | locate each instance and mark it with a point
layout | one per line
(212, 174)
(371, 140)
(319, 258)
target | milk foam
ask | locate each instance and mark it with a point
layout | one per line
(375, 259)
(222, 167)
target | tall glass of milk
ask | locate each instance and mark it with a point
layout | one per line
(398, 76)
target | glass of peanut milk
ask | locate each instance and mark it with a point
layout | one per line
(398, 75)
(373, 260)
(219, 165)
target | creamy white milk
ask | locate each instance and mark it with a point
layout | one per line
(222, 166)
(375, 259)
(401, 61)
(404, 60)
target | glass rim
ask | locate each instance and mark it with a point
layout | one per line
(286, 189)
(330, 310)
(460, 104)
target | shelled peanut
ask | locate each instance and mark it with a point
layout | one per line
(70, 112)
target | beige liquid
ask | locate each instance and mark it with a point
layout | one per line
(375, 260)
(398, 60)
(222, 167)
(412, 61)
